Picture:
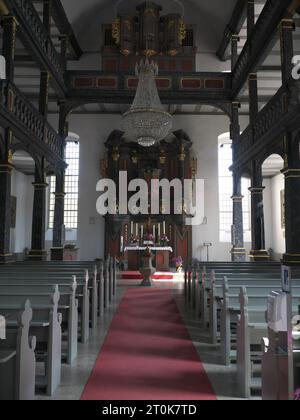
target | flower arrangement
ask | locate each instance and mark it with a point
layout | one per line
(134, 240)
(164, 239)
(178, 261)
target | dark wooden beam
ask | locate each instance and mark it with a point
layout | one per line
(37, 41)
(232, 28)
(261, 41)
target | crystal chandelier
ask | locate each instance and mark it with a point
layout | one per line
(147, 123)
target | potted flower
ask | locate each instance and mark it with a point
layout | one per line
(164, 240)
(178, 261)
(134, 240)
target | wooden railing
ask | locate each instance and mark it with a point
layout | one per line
(37, 39)
(28, 124)
(261, 37)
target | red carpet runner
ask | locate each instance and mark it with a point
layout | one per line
(148, 354)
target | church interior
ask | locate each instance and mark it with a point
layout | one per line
(149, 200)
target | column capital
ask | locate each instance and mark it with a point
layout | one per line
(256, 190)
(237, 198)
(40, 185)
(252, 76)
(63, 37)
(6, 167)
(235, 38)
(236, 105)
(6, 19)
(291, 172)
(287, 24)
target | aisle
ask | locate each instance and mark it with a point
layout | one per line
(148, 354)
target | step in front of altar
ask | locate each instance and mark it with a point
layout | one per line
(136, 275)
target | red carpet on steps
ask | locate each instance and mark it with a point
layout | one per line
(148, 354)
(136, 275)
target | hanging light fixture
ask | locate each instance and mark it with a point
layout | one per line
(147, 123)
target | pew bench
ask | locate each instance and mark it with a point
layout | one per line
(82, 294)
(68, 307)
(17, 359)
(45, 325)
(36, 272)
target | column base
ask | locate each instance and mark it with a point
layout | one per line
(57, 254)
(6, 258)
(37, 255)
(259, 255)
(238, 254)
(291, 259)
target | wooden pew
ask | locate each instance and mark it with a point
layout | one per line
(17, 359)
(82, 291)
(45, 325)
(251, 328)
(98, 274)
(81, 274)
(68, 307)
(211, 290)
(2, 328)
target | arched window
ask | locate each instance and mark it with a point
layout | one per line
(225, 193)
(71, 186)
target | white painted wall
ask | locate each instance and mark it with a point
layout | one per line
(93, 131)
(278, 232)
(275, 235)
(22, 189)
(268, 212)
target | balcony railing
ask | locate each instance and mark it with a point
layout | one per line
(279, 115)
(37, 37)
(28, 121)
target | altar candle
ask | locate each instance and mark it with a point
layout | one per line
(154, 231)
(137, 229)
(164, 225)
(131, 228)
(142, 232)
(159, 230)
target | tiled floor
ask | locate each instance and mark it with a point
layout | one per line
(76, 376)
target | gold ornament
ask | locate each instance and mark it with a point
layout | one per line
(116, 30)
(182, 31)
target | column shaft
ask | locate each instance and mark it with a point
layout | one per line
(58, 228)
(5, 206)
(292, 202)
(287, 48)
(38, 251)
(238, 252)
(258, 252)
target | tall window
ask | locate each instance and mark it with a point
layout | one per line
(71, 188)
(225, 194)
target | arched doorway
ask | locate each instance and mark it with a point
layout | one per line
(21, 203)
(273, 181)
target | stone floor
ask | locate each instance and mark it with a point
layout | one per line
(76, 376)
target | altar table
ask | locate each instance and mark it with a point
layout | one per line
(161, 253)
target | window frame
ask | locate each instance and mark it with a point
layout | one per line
(71, 190)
